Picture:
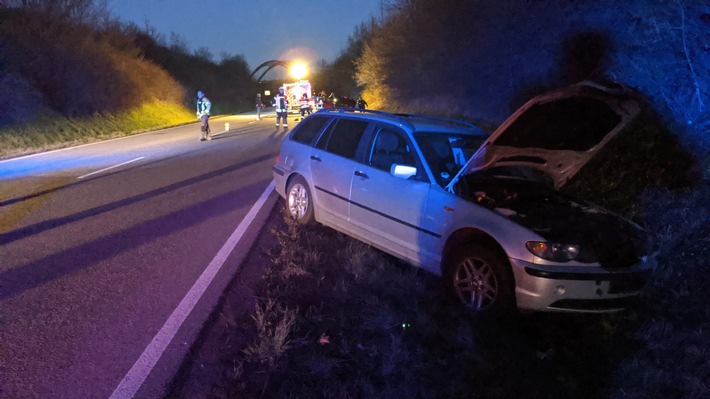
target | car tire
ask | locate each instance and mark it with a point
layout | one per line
(299, 202)
(481, 280)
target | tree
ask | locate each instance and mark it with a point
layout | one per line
(89, 12)
(482, 59)
(204, 53)
(339, 76)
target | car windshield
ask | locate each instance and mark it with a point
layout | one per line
(445, 153)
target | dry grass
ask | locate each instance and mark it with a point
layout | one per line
(368, 326)
(57, 132)
(273, 325)
(338, 319)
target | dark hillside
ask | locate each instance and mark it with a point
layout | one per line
(70, 73)
(54, 62)
(227, 84)
(52, 65)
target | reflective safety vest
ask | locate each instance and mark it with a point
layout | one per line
(281, 103)
(203, 106)
(304, 102)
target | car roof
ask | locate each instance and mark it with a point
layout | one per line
(415, 122)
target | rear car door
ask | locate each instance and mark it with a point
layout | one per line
(333, 162)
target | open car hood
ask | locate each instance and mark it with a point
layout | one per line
(558, 132)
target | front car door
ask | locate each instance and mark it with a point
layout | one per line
(387, 210)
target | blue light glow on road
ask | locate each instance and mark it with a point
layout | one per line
(41, 164)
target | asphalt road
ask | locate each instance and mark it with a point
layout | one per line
(112, 254)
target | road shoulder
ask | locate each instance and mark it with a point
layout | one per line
(202, 368)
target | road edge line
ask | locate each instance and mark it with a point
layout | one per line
(136, 376)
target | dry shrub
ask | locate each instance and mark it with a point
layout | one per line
(273, 323)
(151, 82)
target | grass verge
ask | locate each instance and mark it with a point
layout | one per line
(335, 318)
(52, 132)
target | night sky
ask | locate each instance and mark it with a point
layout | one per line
(258, 30)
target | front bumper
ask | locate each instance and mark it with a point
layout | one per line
(576, 289)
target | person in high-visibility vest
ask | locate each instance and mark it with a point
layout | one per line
(305, 105)
(203, 114)
(281, 107)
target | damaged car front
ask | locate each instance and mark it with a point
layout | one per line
(569, 255)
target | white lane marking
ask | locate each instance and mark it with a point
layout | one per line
(110, 167)
(135, 377)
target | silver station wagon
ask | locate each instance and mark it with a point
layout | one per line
(481, 211)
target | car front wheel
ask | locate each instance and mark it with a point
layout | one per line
(299, 203)
(481, 280)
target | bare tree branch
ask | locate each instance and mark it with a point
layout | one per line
(698, 96)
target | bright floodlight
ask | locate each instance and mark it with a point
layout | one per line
(298, 70)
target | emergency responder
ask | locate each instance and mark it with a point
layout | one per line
(361, 103)
(281, 108)
(305, 105)
(203, 114)
(259, 106)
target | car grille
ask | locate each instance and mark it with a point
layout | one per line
(621, 256)
(627, 283)
(592, 304)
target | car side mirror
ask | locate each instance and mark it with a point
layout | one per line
(403, 171)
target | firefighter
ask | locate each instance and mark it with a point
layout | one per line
(305, 105)
(203, 114)
(361, 103)
(281, 107)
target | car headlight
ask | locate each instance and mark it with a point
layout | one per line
(559, 252)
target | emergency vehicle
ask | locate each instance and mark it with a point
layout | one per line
(294, 92)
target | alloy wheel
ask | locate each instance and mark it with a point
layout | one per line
(475, 283)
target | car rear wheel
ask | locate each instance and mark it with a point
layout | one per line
(299, 203)
(481, 280)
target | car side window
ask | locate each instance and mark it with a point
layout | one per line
(343, 137)
(308, 129)
(390, 146)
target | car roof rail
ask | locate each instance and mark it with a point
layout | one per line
(442, 119)
(396, 117)
(403, 118)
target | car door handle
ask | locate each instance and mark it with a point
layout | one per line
(361, 174)
(315, 158)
